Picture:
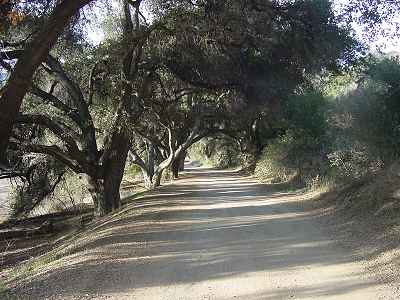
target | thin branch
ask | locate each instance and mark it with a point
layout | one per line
(57, 103)
(54, 127)
(55, 68)
(48, 192)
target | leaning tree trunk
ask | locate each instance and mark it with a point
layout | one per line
(35, 53)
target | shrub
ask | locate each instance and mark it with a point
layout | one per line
(293, 156)
(339, 139)
(364, 128)
(217, 153)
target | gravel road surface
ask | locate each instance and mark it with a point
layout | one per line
(213, 235)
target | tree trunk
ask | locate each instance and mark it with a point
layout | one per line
(147, 180)
(157, 179)
(96, 189)
(182, 161)
(178, 164)
(105, 194)
(35, 53)
(151, 159)
(175, 168)
(151, 181)
(105, 190)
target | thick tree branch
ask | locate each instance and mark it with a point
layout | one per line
(137, 160)
(34, 54)
(56, 69)
(58, 130)
(86, 125)
(53, 150)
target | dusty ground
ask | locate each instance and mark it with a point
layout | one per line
(213, 235)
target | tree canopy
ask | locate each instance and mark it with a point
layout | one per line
(239, 70)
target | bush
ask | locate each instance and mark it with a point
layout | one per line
(217, 153)
(353, 160)
(364, 128)
(300, 153)
(339, 139)
(225, 156)
(376, 110)
(292, 157)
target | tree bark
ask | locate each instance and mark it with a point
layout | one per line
(96, 190)
(151, 181)
(182, 161)
(105, 190)
(105, 194)
(114, 168)
(35, 53)
(175, 168)
(178, 165)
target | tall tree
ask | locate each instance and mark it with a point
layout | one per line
(34, 54)
(73, 127)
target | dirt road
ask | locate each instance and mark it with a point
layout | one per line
(211, 236)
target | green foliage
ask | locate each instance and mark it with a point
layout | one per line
(294, 156)
(306, 111)
(299, 152)
(197, 153)
(274, 165)
(132, 171)
(277, 44)
(225, 157)
(373, 16)
(217, 153)
(350, 160)
(374, 108)
(347, 132)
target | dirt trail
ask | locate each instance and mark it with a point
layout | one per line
(214, 235)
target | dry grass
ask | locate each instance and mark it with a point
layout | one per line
(365, 216)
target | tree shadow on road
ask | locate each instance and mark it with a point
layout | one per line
(214, 226)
